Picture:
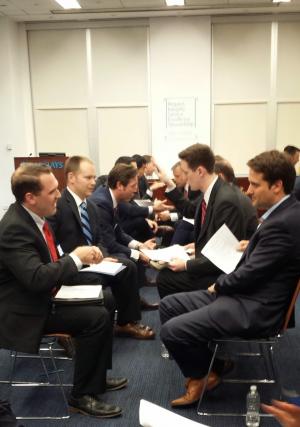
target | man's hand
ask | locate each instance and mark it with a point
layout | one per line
(156, 185)
(160, 205)
(162, 175)
(190, 248)
(177, 264)
(242, 246)
(143, 258)
(149, 244)
(211, 289)
(110, 259)
(164, 216)
(152, 224)
(287, 414)
(89, 254)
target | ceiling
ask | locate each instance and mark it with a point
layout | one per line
(49, 10)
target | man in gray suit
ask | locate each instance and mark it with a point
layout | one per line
(251, 301)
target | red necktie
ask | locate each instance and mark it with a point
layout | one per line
(50, 241)
(203, 211)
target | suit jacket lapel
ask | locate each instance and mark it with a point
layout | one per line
(209, 210)
(70, 200)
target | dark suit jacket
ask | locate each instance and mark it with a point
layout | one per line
(297, 187)
(27, 277)
(249, 213)
(223, 207)
(66, 224)
(114, 238)
(143, 187)
(267, 274)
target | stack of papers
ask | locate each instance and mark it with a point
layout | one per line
(166, 254)
(154, 416)
(79, 293)
(144, 203)
(105, 267)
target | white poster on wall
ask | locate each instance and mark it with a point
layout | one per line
(180, 121)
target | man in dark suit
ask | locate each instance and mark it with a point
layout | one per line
(218, 205)
(252, 300)
(31, 272)
(122, 184)
(71, 231)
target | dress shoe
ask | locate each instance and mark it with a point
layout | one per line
(89, 405)
(68, 345)
(134, 330)
(116, 383)
(148, 306)
(194, 389)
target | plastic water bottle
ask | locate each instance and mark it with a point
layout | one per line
(253, 406)
(164, 352)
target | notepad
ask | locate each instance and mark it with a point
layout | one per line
(79, 293)
(105, 267)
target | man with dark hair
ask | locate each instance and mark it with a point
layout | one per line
(31, 272)
(122, 184)
(292, 154)
(225, 171)
(76, 223)
(217, 205)
(250, 302)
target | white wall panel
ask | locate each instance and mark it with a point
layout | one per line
(122, 132)
(241, 61)
(288, 125)
(288, 60)
(240, 133)
(119, 66)
(58, 68)
(62, 131)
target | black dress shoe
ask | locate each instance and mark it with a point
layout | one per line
(89, 405)
(147, 306)
(116, 383)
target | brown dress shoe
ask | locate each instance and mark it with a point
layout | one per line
(134, 330)
(194, 389)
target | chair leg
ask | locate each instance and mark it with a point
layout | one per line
(206, 378)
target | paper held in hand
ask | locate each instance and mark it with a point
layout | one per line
(166, 254)
(79, 293)
(222, 251)
(105, 267)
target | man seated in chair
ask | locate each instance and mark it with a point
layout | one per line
(250, 302)
(30, 274)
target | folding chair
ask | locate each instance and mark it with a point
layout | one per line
(266, 352)
(47, 352)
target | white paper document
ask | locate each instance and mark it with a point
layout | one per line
(166, 254)
(105, 267)
(189, 220)
(221, 250)
(79, 292)
(152, 415)
(144, 203)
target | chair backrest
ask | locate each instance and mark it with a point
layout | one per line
(291, 307)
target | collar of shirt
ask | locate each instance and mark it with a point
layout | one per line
(77, 199)
(115, 203)
(37, 219)
(209, 190)
(272, 208)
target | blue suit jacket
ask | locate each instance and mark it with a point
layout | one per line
(267, 274)
(114, 238)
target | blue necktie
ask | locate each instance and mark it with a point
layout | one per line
(85, 222)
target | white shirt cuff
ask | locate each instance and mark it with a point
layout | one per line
(135, 254)
(174, 216)
(149, 192)
(77, 261)
(170, 187)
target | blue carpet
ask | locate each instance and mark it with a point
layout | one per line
(150, 377)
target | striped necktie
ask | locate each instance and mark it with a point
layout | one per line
(85, 222)
(203, 211)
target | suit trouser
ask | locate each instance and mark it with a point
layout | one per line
(170, 282)
(190, 320)
(91, 327)
(124, 287)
